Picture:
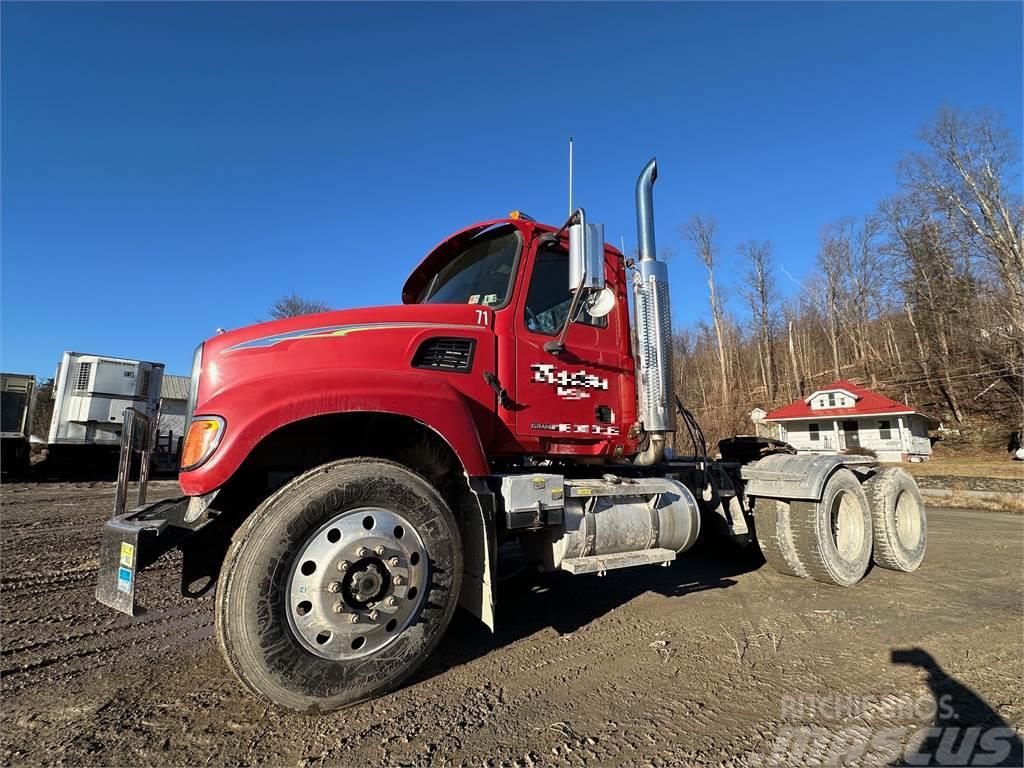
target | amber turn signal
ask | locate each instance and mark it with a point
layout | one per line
(204, 434)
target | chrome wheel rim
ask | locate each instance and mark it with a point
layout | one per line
(357, 583)
(908, 520)
(847, 526)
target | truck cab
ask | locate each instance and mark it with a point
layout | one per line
(580, 401)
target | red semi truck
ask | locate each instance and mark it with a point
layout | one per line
(349, 476)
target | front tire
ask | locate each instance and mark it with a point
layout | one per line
(339, 585)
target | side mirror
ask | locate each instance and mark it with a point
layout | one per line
(601, 303)
(586, 256)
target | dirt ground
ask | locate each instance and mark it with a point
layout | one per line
(716, 660)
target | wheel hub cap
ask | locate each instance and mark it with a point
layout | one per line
(366, 584)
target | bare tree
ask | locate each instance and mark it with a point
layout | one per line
(833, 260)
(700, 232)
(868, 285)
(44, 408)
(922, 299)
(761, 296)
(799, 382)
(969, 178)
(936, 286)
(294, 305)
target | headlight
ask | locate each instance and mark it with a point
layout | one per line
(204, 434)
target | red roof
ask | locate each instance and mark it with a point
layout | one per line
(867, 403)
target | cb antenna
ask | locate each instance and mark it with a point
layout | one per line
(570, 175)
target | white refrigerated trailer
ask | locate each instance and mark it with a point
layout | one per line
(91, 393)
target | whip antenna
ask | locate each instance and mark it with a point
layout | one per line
(570, 175)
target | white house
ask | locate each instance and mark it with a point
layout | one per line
(843, 416)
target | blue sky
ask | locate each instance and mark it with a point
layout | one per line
(171, 168)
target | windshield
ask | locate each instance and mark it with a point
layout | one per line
(481, 273)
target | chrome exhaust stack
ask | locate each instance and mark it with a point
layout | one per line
(653, 323)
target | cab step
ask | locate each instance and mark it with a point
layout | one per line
(602, 563)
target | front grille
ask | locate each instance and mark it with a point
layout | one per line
(146, 376)
(445, 354)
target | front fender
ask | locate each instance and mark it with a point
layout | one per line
(257, 407)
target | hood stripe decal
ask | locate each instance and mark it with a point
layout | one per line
(332, 331)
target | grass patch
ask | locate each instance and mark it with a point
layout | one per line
(1008, 503)
(967, 466)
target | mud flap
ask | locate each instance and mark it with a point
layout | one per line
(479, 553)
(133, 541)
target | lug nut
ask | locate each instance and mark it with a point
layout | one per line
(393, 562)
(380, 550)
(353, 619)
(374, 614)
(398, 581)
(334, 587)
(391, 602)
(362, 552)
(339, 607)
(343, 565)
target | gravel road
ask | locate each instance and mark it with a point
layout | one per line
(716, 660)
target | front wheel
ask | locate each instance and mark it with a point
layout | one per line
(339, 585)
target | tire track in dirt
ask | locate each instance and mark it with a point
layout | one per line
(128, 630)
(49, 581)
(112, 644)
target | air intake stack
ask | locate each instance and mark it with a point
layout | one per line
(653, 326)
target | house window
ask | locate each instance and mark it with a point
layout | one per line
(885, 429)
(831, 398)
(813, 432)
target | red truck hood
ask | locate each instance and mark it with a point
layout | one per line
(281, 334)
(372, 338)
(260, 378)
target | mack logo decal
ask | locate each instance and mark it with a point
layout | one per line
(571, 385)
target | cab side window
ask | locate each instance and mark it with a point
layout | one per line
(548, 298)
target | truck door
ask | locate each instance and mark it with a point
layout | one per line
(573, 399)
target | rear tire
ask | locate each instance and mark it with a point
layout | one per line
(832, 537)
(899, 521)
(303, 576)
(775, 537)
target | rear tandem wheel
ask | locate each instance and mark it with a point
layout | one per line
(832, 537)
